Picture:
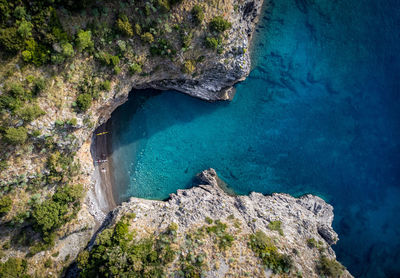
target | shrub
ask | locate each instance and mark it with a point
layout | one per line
(147, 37)
(276, 226)
(212, 42)
(164, 5)
(312, 243)
(16, 136)
(198, 14)
(39, 84)
(25, 29)
(106, 85)
(55, 212)
(10, 40)
(218, 24)
(14, 267)
(5, 205)
(138, 29)
(48, 263)
(162, 48)
(19, 12)
(124, 27)
(84, 101)
(30, 112)
(329, 267)
(189, 66)
(67, 49)
(84, 40)
(265, 249)
(27, 56)
(40, 54)
(135, 68)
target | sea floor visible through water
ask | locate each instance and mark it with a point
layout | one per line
(318, 114)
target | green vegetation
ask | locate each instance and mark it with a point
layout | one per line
(219, 25)
(14, 267)
(84, 40)
(265, 249)
(56, 211)
(213, 42)
(276, 226)
(223, 238)
(329, 267)
(198, 14)
(118, 254)
(135, 68)
(16, 135)
(5, 205)
(83, 102)
(124, 27)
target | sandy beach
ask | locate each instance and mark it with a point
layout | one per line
(101, 152)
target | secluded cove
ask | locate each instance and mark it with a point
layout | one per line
(318, 114)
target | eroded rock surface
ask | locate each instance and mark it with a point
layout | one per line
(302, 219)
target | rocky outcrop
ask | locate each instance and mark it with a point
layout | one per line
(302, 219)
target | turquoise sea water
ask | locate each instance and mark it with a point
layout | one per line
(318, 114)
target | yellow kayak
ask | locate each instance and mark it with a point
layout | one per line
(102, 133)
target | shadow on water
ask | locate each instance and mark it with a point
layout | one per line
(175, 101)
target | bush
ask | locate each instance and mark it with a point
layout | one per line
(39, 84)
(67, 49)
(265, 249)
(198, 14)
(16, 136)
(84, 40)
(84, 101)
(19, 12)
(162, 48)
(106, 85)
(312, 243)
(25, 29)
(276, 226)
(30, 112)
(212, 42)
(164, 5)
(329, 267)
(189, 66)
(14, 267)
(147, 37)
(55, 212)
(5, 205)
(138, 29)
(124, 27)
(117, 254)
(135, 68)
(10, 40)
(218, 24)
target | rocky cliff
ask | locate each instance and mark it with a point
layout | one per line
(206, 215)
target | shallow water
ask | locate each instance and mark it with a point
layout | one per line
(319, 113)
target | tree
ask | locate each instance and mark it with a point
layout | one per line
(16, 136)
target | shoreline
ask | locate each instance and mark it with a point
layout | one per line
(104, 181)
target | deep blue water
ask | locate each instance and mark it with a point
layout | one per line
(319, 113)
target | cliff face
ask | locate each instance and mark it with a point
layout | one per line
(300, 228)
